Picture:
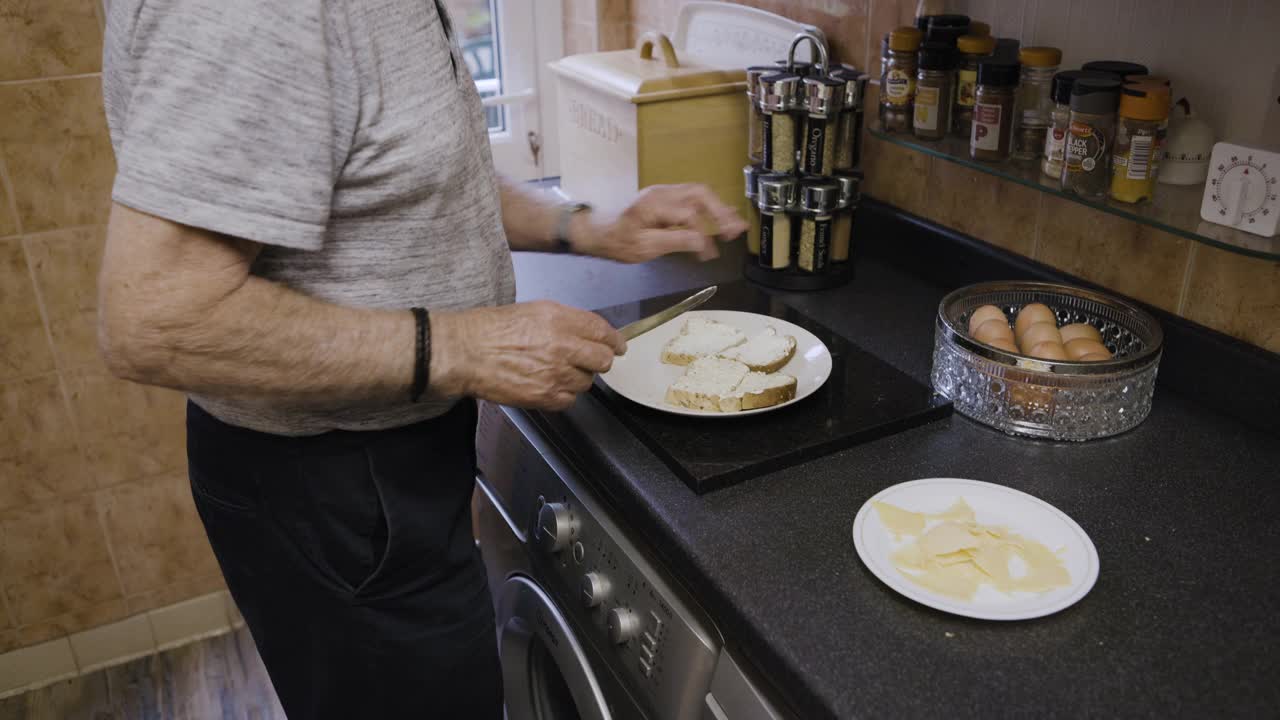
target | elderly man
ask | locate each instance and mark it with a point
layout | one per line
(308, 238)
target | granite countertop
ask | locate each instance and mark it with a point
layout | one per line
(1184, 511)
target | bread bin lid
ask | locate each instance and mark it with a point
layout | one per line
(708, 54)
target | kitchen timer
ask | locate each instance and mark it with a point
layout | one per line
(1242, 189)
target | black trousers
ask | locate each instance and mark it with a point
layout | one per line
(350, 555)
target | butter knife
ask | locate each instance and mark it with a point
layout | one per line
(644, 325)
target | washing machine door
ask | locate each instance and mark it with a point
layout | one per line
(545, 671)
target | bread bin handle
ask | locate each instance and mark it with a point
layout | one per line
(651, 38)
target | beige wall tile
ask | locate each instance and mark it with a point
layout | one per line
(195, 618)
(8, 221)
(72, 622)
(9, 641)
(156, 534)
(177, 592)
(40, 461)
(649, 14)
(614, 36)
(883, 16)
(127, 431)
(896, 175)
(613, 11)
(35, 665)
(54, 143)
(42, 38)
(982, 205)
(1134, 260)
(24, 346)
(1237, 295)
(113, 644)
(579, 37)
(54, 561)
(66, 266)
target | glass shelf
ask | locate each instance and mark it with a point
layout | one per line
(1175, 208)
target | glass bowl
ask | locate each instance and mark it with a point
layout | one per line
(1059, 400)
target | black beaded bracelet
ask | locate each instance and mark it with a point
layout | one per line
(422, 354)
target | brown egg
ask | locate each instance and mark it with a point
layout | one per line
(1038, 333)
(1048, 350)
(993, 330)
(1079, 330)
(1030, 315)
(1003, 344)
(1080, 347)
(1095, 357)
(983, 314)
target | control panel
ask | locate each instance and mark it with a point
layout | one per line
(598, 577)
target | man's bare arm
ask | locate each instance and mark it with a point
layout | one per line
(179, 308)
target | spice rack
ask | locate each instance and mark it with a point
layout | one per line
(1173, 209)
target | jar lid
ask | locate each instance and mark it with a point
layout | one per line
(778, 91)
(754, 74)
(979, 29)
(855, 84)
(850, 183)
(751, 174)
(1144, 102)
(937, 56)
(799, 67)
(776, 191)
(924, 22)
(821, 196)
(976, 44)
(1116, 67)
(904, 39)
(1148, 80)
(823, 95)
(1060, 90)
(998, 73)
(945, 34)
(1040, 56)
(1097, 96)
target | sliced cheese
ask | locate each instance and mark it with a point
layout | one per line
(899, 521)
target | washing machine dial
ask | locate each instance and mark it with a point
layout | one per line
(595, 589)
(623, 624)
(557, 527)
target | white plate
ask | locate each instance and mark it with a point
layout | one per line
(642, 377)
(993, 505)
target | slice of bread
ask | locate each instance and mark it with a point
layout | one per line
(718, 384)
(766, 352)
(701, 337)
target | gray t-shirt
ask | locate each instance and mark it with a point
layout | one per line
(346, 136)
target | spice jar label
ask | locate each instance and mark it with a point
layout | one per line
(986, 127)
(1086, 147)
(968, 80)
(1054, 141)
(766, 240)
(819, 150)
(926, 115)
(900, 86)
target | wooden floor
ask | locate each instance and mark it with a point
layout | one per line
(221, 678)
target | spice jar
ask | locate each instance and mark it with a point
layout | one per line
(1055, 139)
(1119, 68)
(1033, 108)
(755, 116)
(993, 111)
(850, 184)
(776, 194)
(898, 78)
(1086, 169)
(1163, 132)
(823, 97)
(777, 103)
(818, 200)
(751, 174)
(934, 86)
(1138, 144)
(973, 49)
(849, 122)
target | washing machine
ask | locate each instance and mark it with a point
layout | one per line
(589, 626)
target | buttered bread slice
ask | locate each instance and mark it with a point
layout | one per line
(701, 337)
(766, 352)
(718, 384)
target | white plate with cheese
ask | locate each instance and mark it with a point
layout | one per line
(1037, 560)
(642, 377)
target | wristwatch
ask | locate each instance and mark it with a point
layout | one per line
(561, 242)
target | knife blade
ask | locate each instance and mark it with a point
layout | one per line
(644, 325)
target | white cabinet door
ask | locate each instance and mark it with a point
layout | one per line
(506, 45)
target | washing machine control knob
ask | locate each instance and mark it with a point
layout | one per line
(557, 527)
(595, 589)
(624, 624)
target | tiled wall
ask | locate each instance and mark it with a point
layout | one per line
(596, 25)
(96, 519)
(1231, 293)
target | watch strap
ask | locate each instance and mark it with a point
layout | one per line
(560, 242)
